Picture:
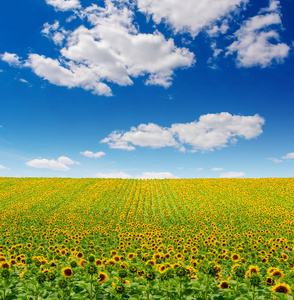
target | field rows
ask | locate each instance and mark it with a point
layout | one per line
(146, 239)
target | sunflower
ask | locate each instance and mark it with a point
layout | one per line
(151, 262)
(113, 252)
(123, 266)
(282, 288)
(111, 262)
(53, 264)
(82, 263)
(102, 277)
(43, 261)
(156, 256)
(5, 265)
(271, 270)
(167, 256)
(264, 260)
(269, 281)
(218, 276)
(235, 257)
(116, 258)
(141, 273)
(67, 272)
(284, 257)
(179, 256)
(252, 269)
(45, 271)
(98, 262)
(131, 256)
(80, 255)
(279, 273)
(161, 268)
(224, 285)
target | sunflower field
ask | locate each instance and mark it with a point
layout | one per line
(64, 238)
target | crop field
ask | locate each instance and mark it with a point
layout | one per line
(65, 238)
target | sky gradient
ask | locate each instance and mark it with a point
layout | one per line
(146, 89)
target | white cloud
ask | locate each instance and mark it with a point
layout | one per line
(92, 154)
(210, 132)
(289, 156)
(111, 51)
(150, 135)
(24, 81)
(11, 58)
(64, 4)
(54, 32)
(59, 165)
(217, 169)
(217, 130)
(275, 160)
(232, 175)
(216, 51)
(199, 169)
(122, 175)
(216, 30)
(191, 15)
(67, 161)
(156, 175)
(254, 46)
(2, 167)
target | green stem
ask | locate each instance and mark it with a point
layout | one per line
(237, 287)
(5, 287)
(91, 287)
(180, 292)
(253, 296)
(37, 291)
(206, 288)
(147, 292)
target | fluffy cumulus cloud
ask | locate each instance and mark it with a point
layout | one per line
(11, 58)
(2, 167)
(289, 156)
(109, 48)
(232, 175)
(258, 40)
(92, 154)
(144, 175)
(54, 32)
(64, 4)
(112, 50)
(192, 15)
(145, 135)
(61, 164)
(209, 132)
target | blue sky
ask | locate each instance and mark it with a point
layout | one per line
(146, 89)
